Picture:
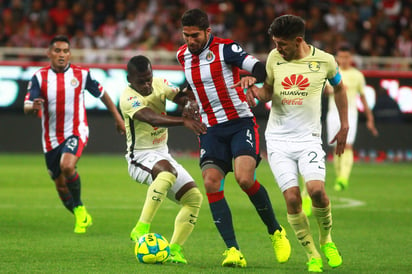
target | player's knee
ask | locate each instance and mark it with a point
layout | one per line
(192, 198)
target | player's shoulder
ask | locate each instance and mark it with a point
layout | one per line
(219, 40)
(79, 68)
(319, 53)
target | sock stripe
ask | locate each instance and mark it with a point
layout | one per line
(215, 197)
(72, 178)
(253, 190)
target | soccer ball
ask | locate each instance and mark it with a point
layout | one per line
(152, 248)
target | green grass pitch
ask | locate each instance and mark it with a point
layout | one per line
(372, 221)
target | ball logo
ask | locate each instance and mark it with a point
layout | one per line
(210, 57)
(74, 82)
(294, 80)
(314, 66)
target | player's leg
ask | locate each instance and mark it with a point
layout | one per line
(306, 200)
(346, 164)
(244, 173)
(187, 194)
(71, 152)
(312, 166)
(160, 176)
(282, 160)
(216, 162)
(53, 166)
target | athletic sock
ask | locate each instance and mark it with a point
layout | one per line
(74, 185)
(260, 199)
(346, 164)
(156, 193)
(300, 224)
(186, 219)
(222, 217)
(324, 219)
(67, 200)
(337, 162)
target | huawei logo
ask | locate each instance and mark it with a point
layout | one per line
(296, 80)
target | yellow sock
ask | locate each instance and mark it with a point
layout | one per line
(300, 224)
(155, 195)
(346, 164)
(187, 217)
(324, 218)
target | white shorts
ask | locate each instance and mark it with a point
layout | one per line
(289, 159)
(333, 126)
(140, 168)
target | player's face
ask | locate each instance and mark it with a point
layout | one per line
(344, 59)
(142, 81)
(59, 55)
(195, 38)
(287, 48)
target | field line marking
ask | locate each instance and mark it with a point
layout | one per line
(347, 202)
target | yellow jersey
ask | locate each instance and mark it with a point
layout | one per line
(297, 88)
(141, 135)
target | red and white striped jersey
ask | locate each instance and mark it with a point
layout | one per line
(64, 112)
(211, 74)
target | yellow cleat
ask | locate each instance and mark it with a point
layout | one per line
(83, 219)
(176, 255)
(234, 258)
(332, 254)
(281, 245)
(315, 265)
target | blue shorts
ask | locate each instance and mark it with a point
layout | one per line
(71, 145)
(224, 142)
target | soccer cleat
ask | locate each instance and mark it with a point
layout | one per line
(83, 219)
(307, 205)
(281, 245)
(176, 255)
(138, 231)
(332, 254)
(341, 184)
(315, 265)
(234, 258)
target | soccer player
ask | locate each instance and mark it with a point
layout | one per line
(143, 105)
(354, 83)
(211, 67)
(296, 74)
(57, 92)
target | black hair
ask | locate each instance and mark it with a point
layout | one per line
(345, 48)
(138, 63)
(195, 17)
(287, 26)
(59, 38)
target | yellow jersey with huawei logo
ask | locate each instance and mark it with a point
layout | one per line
(141, 135)
(297, 89)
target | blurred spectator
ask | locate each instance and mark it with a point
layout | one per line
(59, 13)
(386, 110)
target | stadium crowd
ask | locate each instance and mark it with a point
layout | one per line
(372, 27)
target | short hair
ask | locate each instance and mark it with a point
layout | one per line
(138, 63)
(345, 48)
(287, 26)
(195, 17)
(59, 38)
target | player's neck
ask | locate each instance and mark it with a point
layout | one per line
(304, 50)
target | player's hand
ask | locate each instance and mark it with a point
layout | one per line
(371, 126)
(245, 82)
(340, 139)
(191, 110)
(196, 126)
(38, 103)
(120, 127)
(251, 94)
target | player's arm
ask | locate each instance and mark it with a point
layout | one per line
(263, 94)
(155, 119)
(33, 103)
(370, 121)
(186, 99)
(115, 113)
(341, 102)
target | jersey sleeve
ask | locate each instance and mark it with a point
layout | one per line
(333, 73)
(33, 90)
(131, 105)
(234, 54)
(269, 69)
(93, 86)
(170, 90)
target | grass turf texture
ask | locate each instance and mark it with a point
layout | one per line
(36, 232)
